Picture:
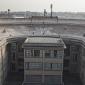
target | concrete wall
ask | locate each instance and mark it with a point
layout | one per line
(3, 63)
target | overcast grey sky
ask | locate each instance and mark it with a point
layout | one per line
(39, 5)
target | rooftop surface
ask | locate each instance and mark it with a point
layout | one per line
(44, 40)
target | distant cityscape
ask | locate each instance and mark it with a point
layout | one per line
(65, 15)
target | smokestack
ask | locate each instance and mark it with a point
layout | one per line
(51, 6)
(45, 12)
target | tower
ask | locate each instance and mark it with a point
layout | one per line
(51, 6)
(45, 12)
(8, 11)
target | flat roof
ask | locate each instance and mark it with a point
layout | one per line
(42, 39)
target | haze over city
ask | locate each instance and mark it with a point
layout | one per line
(39, 5)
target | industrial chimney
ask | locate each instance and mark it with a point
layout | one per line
(51, 6)
(45, 13)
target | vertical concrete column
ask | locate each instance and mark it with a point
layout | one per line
(41, 53)
(43, 76)
(24, 64)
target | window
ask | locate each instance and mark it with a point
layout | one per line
(35, 53)
(35, 65)
(47, 66)
(60, 54)
(55, 53)
(27, 52)
(57, 66)
(60, 66)
(47, 53)
(54, 66)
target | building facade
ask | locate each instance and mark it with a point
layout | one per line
(43, 60)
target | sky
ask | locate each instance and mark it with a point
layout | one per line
(40, 5)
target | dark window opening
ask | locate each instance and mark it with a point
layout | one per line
(36, 52)
(47, 53)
